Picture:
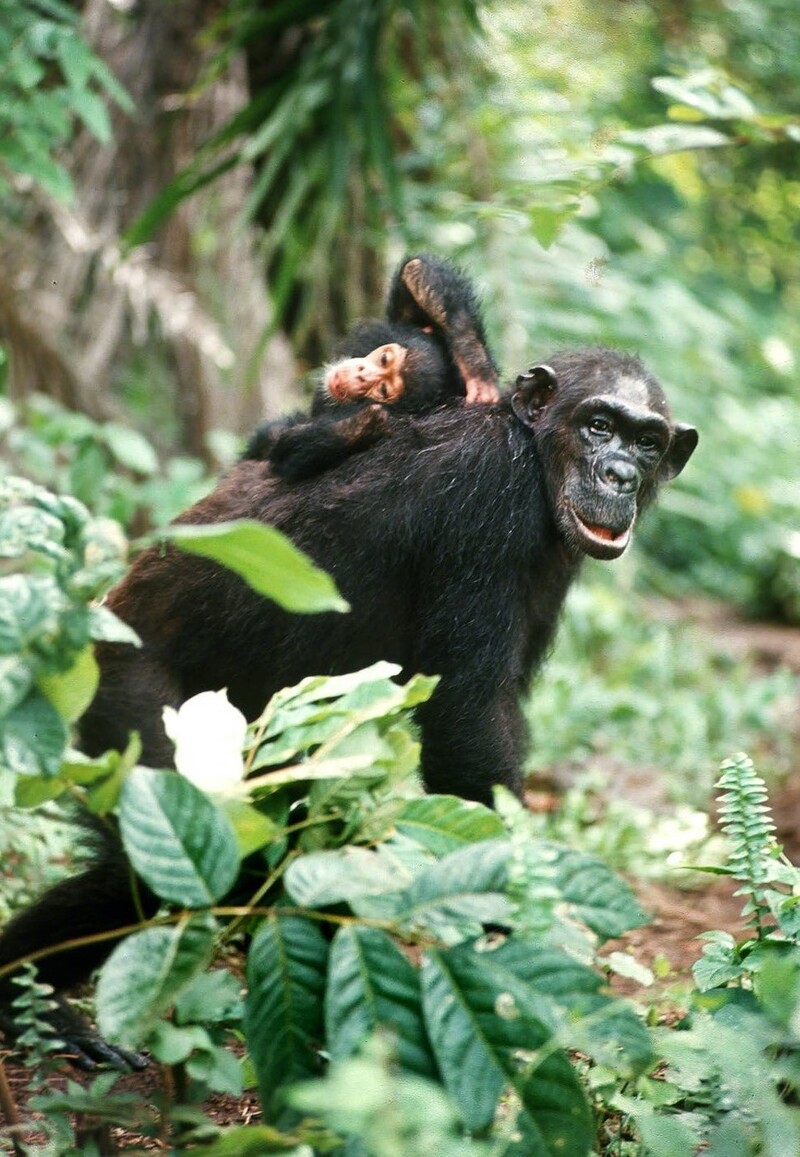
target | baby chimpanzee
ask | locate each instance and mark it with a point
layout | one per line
(430, 350)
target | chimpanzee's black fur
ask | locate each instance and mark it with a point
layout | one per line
(454, 541)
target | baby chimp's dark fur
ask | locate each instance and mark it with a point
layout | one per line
(433, 314)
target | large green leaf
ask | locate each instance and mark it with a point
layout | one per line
(463, 889)
(16, 680)
(372, 985)
(283, 1019)
(486, 1037)
(599, 897)
(177, 840)
(443, 823)
(267, 560)
(321, 878)
(130, 448)
(29, 611)
(72, 691)
(32, 738)
(566, 995)
(145, 973)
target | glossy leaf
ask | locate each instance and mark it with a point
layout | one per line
(598, 896)
(329, 877)
(463, 889)
(286, 969)
(443, 823)
(487, 1036)
(71, 691)
(267, 560)
(177, 840)
(372, 986)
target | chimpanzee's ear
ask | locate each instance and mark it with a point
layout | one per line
(681, 448)
(533, 392)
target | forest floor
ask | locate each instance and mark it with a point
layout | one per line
(678, 915)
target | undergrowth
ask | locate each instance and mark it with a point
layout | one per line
(421, 973)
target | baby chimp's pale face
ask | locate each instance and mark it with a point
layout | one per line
(379, 375)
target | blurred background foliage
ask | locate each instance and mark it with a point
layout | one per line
(197, 204)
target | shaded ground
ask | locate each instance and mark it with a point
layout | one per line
(678, 916)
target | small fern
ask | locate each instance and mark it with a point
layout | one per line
(31, 1009)
(746, 819)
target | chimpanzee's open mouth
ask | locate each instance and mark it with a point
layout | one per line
(601, 541)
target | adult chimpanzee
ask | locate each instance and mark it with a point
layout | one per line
(430, 350)
(454, 541)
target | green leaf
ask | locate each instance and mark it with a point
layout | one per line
(486, 1036)
(145, 973)
(547, 223)
(130, 448)
(253, 829)
(75, 58)
(463, 889)
(217, 1068)
(29, 609)
(33, 738)
(664, 1136)
(210, 996)
(443, 823)
(709, 92)
(16, 680)
(567, 997)
(385, 1113)
(33, 790)
(658, 140)
(329, 877)
(171, 1044)
(598, 896)
(719, 964)
(372, 985)
(284, 1005)
(177, 840)
(105, 627)
(71, 691)
(267, 560)
(325, 711)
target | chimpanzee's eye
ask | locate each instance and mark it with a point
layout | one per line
(599, 425)
(649, 443)
(386, 358)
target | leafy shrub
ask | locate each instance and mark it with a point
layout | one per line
(423, 972)
(109, 467)
(626, 685)
(368, 901)
(729, 1078)
(54, 559)
(40, 41)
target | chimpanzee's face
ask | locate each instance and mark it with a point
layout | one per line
(607, 441)
(378, 376)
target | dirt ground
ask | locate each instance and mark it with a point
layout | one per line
(677, 916)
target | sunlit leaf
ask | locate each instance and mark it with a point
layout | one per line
(177, 840)
(267, 560)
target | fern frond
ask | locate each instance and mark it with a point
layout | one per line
(746, 819)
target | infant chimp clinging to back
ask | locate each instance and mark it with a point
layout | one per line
(431, 350)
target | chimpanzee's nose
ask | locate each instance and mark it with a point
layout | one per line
(621, 475)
